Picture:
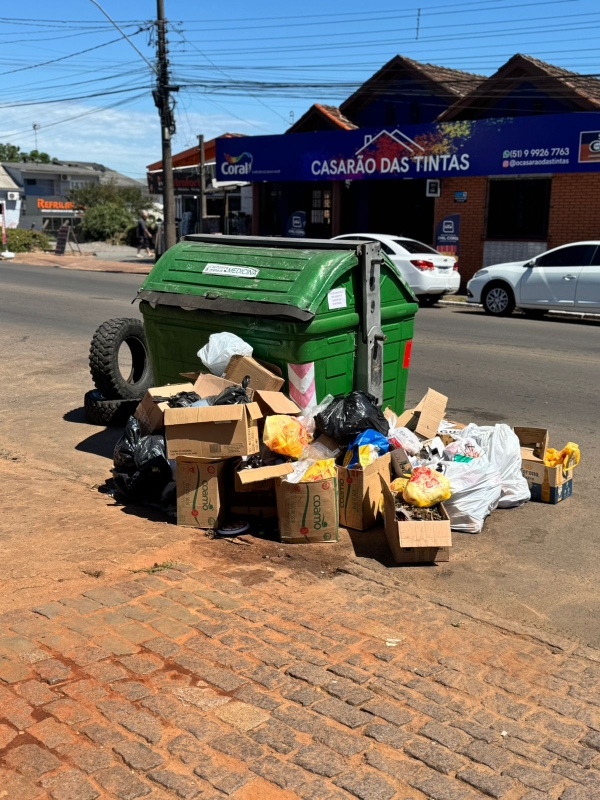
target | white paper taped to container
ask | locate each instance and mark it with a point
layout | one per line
(336, 298)
(301, 379)
(231, 269)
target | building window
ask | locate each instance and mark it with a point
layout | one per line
(320, 212)
(518, 209)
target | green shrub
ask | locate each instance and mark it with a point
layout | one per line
(104, 222)
(22, 240)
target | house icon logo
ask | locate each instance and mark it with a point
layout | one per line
(395, 137)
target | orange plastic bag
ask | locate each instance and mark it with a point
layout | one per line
(426, 488)
(285, 435)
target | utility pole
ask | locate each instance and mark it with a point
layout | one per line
(36, 128)
(162, 99)
(202, 194)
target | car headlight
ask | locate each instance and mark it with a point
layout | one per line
(480, 273)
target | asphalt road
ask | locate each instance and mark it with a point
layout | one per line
(537, 564)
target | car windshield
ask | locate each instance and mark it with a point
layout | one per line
(415, 247)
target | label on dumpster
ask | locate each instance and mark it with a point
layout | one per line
(336, 298)
(231, 269)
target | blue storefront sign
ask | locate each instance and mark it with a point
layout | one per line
(511, 146)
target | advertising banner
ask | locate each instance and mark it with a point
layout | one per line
(507, 146)
(447, 235)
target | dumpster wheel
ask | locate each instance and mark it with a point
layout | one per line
(108, 413)
(108, 342)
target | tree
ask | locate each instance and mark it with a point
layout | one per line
(100, 194)
(10, 152)
(14, 154)
(106, 221)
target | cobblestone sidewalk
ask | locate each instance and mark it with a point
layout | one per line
(258, 683)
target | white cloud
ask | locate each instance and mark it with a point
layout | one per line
(125, 139)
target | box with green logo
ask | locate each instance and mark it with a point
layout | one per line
(360, 493)
(307, 511)
(200, 492)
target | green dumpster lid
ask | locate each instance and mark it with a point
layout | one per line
(255, 275)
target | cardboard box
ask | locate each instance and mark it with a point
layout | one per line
(415, 542)
(260, 377)
(360, 493)
(213, 432)
(261, 479)
(200, 492)
(275, 403)
(308, 512)
(547, 484)
(425, 419)
(534, 443)
(150, 414)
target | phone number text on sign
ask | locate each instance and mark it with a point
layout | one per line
(541, 152)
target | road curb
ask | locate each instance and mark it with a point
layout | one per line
(568, 314)
(553, 642)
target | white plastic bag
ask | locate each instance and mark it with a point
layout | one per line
(402, 437)
(310, 455)
(463, 447)
(503, 450)
(476, 488)
(307, 418)
(217, 354)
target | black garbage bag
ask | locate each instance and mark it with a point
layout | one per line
(233, 395)
(182, 399)
(348, 415)
(123, 456)
(146, 477)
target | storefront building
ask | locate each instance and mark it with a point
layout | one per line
(493, 169)
(228, 203)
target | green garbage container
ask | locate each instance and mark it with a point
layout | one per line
(333, 316)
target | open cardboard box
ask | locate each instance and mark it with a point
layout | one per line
(260, 377)
(360, 493)
(546, 484)
(213, 432)
(415, 542)
(260, 479)
(424, 420)
(150, 414)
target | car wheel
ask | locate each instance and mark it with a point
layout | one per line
(110, 338)
(428, 300)
(498, 300)
(534, 313)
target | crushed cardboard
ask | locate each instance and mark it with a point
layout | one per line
(534, 443)
(215, 432)
(260, 479)
(425, 418)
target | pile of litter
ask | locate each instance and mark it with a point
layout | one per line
(230, 448)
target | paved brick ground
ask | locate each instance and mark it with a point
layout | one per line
(254, 683)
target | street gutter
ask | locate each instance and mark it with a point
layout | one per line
(576, 314)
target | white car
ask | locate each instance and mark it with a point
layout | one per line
(565, 278)
(428, 273)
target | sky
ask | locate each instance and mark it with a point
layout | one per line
(245, 67)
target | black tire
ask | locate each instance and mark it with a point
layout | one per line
(428, 300)
(104, 359)
(108, 413)
(534, 313)
(498, 300)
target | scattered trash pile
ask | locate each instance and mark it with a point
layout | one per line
(229, 450)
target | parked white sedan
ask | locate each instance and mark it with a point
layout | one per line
(428, 273)
(567, 278)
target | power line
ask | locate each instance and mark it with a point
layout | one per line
(121, 31)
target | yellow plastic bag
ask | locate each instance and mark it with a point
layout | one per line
(426, 488)
(320, 471)
(399, 484)
(285, 435)
(569, 456)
